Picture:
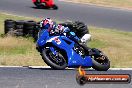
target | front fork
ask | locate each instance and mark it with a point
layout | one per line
(53, 50)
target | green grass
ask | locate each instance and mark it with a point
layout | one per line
(19, 51)
(97, 43)
(20, 46)
(112, 3)
(116, 44)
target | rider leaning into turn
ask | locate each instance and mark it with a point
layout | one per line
(59, 28)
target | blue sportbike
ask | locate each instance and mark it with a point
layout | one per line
(60, 51)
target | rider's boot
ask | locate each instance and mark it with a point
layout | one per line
(87, 49)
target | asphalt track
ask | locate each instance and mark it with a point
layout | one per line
(47, 78)
(92, 15)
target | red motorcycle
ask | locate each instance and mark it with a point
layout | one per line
(45, 4)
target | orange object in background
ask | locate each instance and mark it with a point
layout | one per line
(45, 3)
(81, 71)
(49, 3)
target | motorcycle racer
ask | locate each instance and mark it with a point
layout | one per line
(59, 28)
(60, 51)
(45, 4)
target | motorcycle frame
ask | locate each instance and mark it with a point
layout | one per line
(48, 3)
(73, 59)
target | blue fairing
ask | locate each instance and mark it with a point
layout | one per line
(73, 58)
(42, 37)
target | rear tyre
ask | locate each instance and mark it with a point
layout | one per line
(55, 7)
(54, 61)
(100, 62)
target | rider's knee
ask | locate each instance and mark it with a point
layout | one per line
(86, 38)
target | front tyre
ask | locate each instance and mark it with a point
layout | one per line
(100, 62)
(54, 61)
(39, 5)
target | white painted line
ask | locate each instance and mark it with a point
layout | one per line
(39, 67)
(75, 68)
(10, 66)
(120, 69)
(50, 67)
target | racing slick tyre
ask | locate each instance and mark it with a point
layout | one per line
(9, 25)
(54, 61)
(100, 61)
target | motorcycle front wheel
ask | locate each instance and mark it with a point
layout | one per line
(39, 5)
(54, 61)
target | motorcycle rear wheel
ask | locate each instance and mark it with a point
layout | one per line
(55, 7)
(101, 62)
(49, 59)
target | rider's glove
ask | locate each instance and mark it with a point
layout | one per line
(66, 29)
(59, 29)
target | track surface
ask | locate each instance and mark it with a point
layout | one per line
(47, 78)
(92, 15)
